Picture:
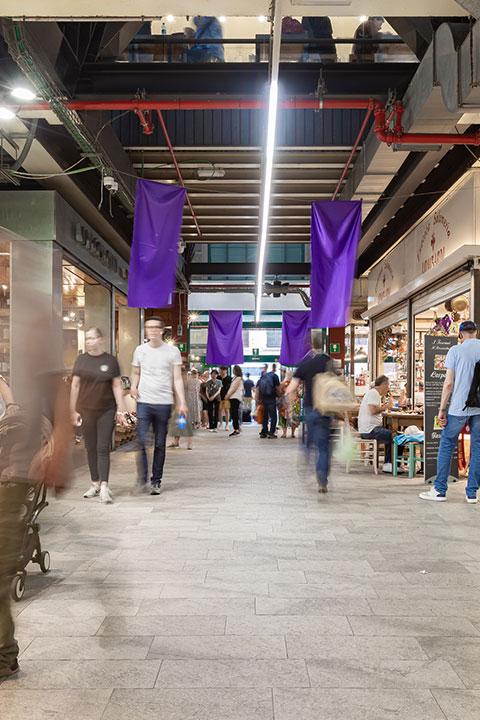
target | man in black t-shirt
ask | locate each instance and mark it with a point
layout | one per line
(268, 389)
(318, 426)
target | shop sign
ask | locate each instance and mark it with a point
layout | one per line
(436, 348)
(447, 228)
(256, 352)
(387, 277)
(182, 347)
(334, 348)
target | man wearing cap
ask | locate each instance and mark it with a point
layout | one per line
(460, 364)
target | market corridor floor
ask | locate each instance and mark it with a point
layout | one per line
(240, 593)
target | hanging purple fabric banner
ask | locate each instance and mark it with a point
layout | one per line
(156, 232)
(224, 343)
(295, 337)
(336, 229)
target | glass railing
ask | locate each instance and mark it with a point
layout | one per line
(178, 48)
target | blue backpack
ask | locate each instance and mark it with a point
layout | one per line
(266, 387)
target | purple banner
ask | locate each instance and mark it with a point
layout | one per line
(225, 343)
(156, 232)
(295, 337)
(336, 229)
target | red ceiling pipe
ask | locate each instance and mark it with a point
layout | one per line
(354, 149)
(145, 122)
(172, 153)
(397, 135)
(187, 104)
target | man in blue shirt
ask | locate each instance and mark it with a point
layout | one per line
(268, 389)
(247, 387)
(460, 364)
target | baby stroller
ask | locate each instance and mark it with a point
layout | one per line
(13, 429)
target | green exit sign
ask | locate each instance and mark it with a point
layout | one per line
(182, 347)
(334, 348)
(255, 352)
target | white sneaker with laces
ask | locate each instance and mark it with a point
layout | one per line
(471, 501)
(432, 494)
(105, 495)
(387, 467)
(92, 492)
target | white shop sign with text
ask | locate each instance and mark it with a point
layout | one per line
(448, 227)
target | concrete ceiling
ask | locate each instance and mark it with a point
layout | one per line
(152, 9)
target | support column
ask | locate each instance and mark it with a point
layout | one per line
(475, 293)
(337, 337)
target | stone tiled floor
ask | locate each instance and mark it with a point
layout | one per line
(242, 594)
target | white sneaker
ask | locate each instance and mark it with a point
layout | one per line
(155, 490)
(105, 495)
(387, 467)
(92, 492)
(432, 494)
(472, 501)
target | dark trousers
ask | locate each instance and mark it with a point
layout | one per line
(384, 436)
(98, 428)
(318, 441)
(157, 417)
(213, 414)
(269, 413)
(234, 413)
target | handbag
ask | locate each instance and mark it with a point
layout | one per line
(259, 414)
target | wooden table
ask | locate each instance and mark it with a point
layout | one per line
(397, 420)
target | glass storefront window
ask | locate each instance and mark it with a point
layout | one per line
(442, 319)
(391, 344)
(127, 333)
(86, 303)
(358, 370)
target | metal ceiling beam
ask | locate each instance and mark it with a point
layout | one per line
(249, 268)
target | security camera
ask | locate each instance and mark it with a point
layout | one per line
(110, 184)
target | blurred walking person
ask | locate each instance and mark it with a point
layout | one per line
(96, 397)
(248, 386)
(318, 426)
(194, 401)
(235, 395)
(24, 459)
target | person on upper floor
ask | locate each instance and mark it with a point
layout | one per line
(208, 28)
(370, 29)
(321, 28)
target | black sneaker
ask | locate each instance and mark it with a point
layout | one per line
(155, 489)
(263, 435)
(272, 435)
(9, 670)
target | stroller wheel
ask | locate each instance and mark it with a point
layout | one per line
(17, 588)
(44, 561)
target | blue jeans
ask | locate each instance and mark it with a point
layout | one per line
(155, 416)
(269, 413)
(448, 443)
(384, 436)
(318, 439)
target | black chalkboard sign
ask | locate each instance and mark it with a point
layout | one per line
(436, 348)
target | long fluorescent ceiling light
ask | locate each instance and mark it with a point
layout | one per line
(269, 152)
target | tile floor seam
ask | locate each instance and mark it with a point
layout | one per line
(432, 693)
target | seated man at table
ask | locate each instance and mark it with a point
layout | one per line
(370, 419)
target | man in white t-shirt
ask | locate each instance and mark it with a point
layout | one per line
(370, 419)
(156, 371)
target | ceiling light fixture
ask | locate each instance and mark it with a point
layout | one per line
(222, 18)
(23, 93)
(170, 18)
(269, 153)
(261, 18)
(363, 18)
(6, 113)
